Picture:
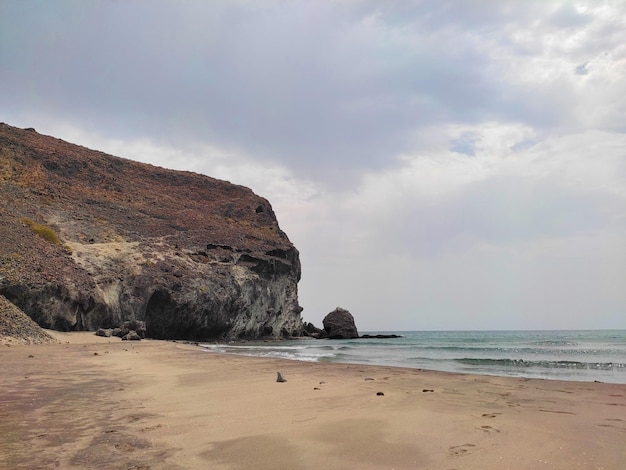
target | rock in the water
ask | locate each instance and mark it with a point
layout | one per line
(309, 329)
(280, 378)
(339, 324)
(380, 336)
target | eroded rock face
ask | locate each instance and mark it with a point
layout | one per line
(339, 324)
(193, 257)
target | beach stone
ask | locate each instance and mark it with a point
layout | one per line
(133, 325)
(280, 378)
(131, 336)
(380, 394)
(105, 332)
(339, 324)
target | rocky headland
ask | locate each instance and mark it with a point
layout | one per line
(89, 240)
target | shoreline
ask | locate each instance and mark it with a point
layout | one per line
(578, 356)
(93, 402)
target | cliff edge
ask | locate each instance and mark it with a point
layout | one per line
(88, 240)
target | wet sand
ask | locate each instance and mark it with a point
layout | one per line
(103, 403)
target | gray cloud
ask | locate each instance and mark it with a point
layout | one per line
(316, 86)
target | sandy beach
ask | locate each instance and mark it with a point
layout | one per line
(102, 403)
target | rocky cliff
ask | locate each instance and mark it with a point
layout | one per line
(89, 240)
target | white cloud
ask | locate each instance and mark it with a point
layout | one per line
(494, 239)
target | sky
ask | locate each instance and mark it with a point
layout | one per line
(440, 165)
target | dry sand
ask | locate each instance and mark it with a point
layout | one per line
(103, 403)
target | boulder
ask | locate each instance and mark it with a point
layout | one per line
(339, 324)
(133, 325)
(131, 336)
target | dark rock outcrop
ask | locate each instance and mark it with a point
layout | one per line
(380, 336)
(88, 240)
(339, 324)
(309, 329)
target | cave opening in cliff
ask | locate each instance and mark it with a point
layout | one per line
(167, 319)
(158, 315)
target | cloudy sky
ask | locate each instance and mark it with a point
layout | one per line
(439, 164)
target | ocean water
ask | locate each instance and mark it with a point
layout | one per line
(568, 355)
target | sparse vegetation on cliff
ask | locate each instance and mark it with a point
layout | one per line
(45, 232)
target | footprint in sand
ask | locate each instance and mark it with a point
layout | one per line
(490, 415)
(152, 428)
(124, 447)
(611, 426)
(557, 412)
(460, 450)
(488, 429)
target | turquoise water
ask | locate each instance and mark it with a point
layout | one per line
(567, 355)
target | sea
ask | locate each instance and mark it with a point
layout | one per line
(589, 355)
